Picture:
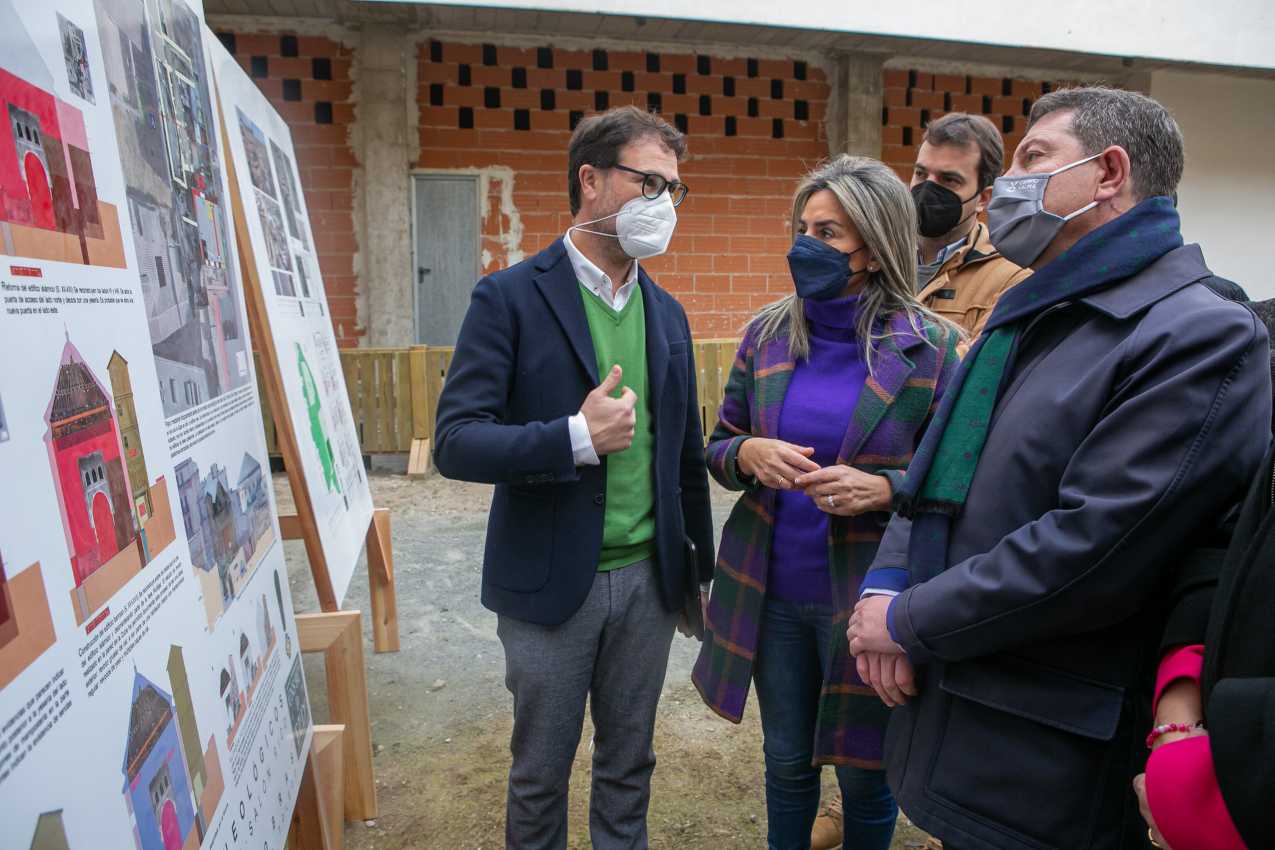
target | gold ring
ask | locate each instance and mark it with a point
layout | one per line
(1151, 838)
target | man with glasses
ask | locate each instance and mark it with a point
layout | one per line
(572, 389)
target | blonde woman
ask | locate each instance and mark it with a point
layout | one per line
(828, 396)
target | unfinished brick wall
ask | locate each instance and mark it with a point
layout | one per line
(307, 79)
(912, 99)
(754, 126)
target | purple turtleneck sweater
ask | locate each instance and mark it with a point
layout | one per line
(816, 412)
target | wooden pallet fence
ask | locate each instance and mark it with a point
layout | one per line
(394, 391)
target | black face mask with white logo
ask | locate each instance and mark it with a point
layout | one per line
(938, 209)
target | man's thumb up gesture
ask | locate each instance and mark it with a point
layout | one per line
(611, 420)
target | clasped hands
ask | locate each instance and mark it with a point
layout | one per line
(880, 661)
(838, 489)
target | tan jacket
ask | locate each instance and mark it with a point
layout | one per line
(967, 285)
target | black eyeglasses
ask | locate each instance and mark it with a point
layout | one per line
(654, 185)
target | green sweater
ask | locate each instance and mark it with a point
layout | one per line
(628, 530)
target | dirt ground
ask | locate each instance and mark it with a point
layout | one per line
(441, 714)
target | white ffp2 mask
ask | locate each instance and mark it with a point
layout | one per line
(644, 227)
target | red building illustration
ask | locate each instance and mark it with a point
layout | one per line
(85, 451)
(49, 208)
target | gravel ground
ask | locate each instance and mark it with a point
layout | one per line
(441, 714)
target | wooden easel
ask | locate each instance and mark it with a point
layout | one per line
(303, 525)
(337, 781)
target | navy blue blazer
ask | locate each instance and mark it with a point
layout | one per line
(524, 363)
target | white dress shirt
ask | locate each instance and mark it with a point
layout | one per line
(599, 283)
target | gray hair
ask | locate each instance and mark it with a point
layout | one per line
(880, 206)
(1102, 117)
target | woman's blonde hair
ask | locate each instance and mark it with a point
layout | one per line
(880, 207)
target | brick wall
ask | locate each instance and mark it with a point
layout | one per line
(308, 81)
(914, 98)
(754, 126)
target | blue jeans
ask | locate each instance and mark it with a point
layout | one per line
(792, 653)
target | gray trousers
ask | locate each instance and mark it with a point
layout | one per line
(614, 650)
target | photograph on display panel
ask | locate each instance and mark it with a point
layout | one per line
(162, 102)
(297, 318)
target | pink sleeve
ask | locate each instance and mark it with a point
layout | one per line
(1185, 662)
(1185, 800)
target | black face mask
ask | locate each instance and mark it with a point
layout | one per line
(938, 208)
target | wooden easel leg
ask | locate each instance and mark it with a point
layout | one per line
(419, 460)
(309, 819)
(329, 751)
(339, 636)
(380, 578)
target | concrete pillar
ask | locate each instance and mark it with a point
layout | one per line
(854, 106)
(385, 142)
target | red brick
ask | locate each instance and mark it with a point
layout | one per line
(954, 83)
(986, 85)
(894, 78)
(712, 283)
(972, 103)
(730, 263)
(903, 116)
(1026, 88)
(895, 97)
(1007, 105)
(891, 135)
(927, 99)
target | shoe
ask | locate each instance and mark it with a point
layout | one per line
(826, 833)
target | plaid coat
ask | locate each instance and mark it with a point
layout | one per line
(889, 417)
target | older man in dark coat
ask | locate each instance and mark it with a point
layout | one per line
(1113, 407)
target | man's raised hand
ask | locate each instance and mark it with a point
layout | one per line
(611, 420)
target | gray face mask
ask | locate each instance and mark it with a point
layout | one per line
(1019, 225)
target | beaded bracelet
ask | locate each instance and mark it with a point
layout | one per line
(1172, 727)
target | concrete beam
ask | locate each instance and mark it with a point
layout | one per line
(385, 140)
(854, 105)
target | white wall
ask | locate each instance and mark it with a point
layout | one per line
(1227, 196)
(1223, 32)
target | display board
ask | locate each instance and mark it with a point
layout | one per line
(151, 688)
(296, 318)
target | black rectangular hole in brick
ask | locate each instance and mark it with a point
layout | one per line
(654, 101)
(1007, 87)
(907, 97)
(703, 65)
(467, 118)
(987, 104)
(801, 110)
(518, 78)
(969, 85)
(575, 79)
(752, 67)
(728, 86)
(731, 128)
(947, 101)
(435, 51)
(323, 112)
(489, 54)
(522, 119)
(462, 75)
(435, 94)
(321, 68)
(1046, 87)
(626, 81)
(288, 45)
(491, 97)
(260, 66)
(1027, 106)
(705, 105)
(547, 99)
(653, 63)
(575, 118)
(1007, 124)
(925, 118)
(911, 79)
(600, 61)
(799, 70)
(544, 57)
(885, 116)
(753, 107)
(777, 89)
(777, 128)
(679, 84)
(601, 101)
(907, 135)
(680, 122)
(227, 40)
(291, 89)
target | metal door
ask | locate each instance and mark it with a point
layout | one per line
(445, 219)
